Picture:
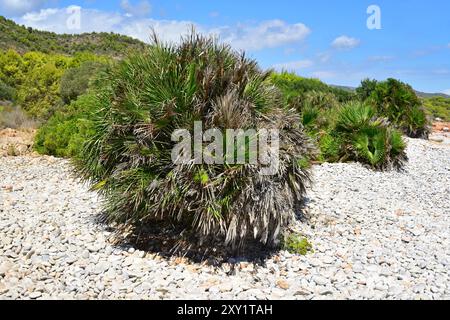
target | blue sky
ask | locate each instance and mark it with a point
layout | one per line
(324, 39)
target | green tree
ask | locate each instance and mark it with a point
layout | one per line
(75, 81)
(366, 88)
(7, 93)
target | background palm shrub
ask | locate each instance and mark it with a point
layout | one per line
(128, 156)
(365, 89)
(320, 100)
(399, 103)
(359, 135)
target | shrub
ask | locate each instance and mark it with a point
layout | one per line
(7, 93)
(438, 107)
(364, 138)
(316, 110)
(330, 148)
(309, 116)
(64, 133)
(295, 87)
(11, 151)
(36, 79)
(145, 98)
(75, 81)
(296, 244)
(399, 103)
(39, 91)
(354, 116)
(320, 100)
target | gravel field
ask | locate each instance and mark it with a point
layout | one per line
(375, 236)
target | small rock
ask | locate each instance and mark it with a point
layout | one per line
(406, 239)
(283, 284)
(35, 295)
(419, 288)
(225, 287)
(3, 288)
(71, 260)
(8, 188)
(5, 267)
(321, 281)
(328, 260)
(85, 254)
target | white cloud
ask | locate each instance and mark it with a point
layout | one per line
(19, 7)
(293, 65)
(446, 92)
(43, 15)
(141, 9)
(56, 20)
(345, 42)
(266, 34)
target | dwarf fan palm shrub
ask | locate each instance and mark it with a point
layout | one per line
(145, 98)
(399, 103)
(321, 100)
(358, 134)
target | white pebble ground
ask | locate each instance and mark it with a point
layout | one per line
(376, 235)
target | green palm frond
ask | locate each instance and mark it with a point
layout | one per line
(354, 116)
(371, 146)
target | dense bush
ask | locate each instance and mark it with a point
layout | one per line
(357, 134)
(75, 81)
(128, 158)
(399, 103)
(296, 87)
(7, 93)
(364, 91)
(38, 92)
(438, 107)
(320, 100)
(36, 78)
(64, 133)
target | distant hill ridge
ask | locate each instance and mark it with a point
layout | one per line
(23, 39)
(419, 93)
